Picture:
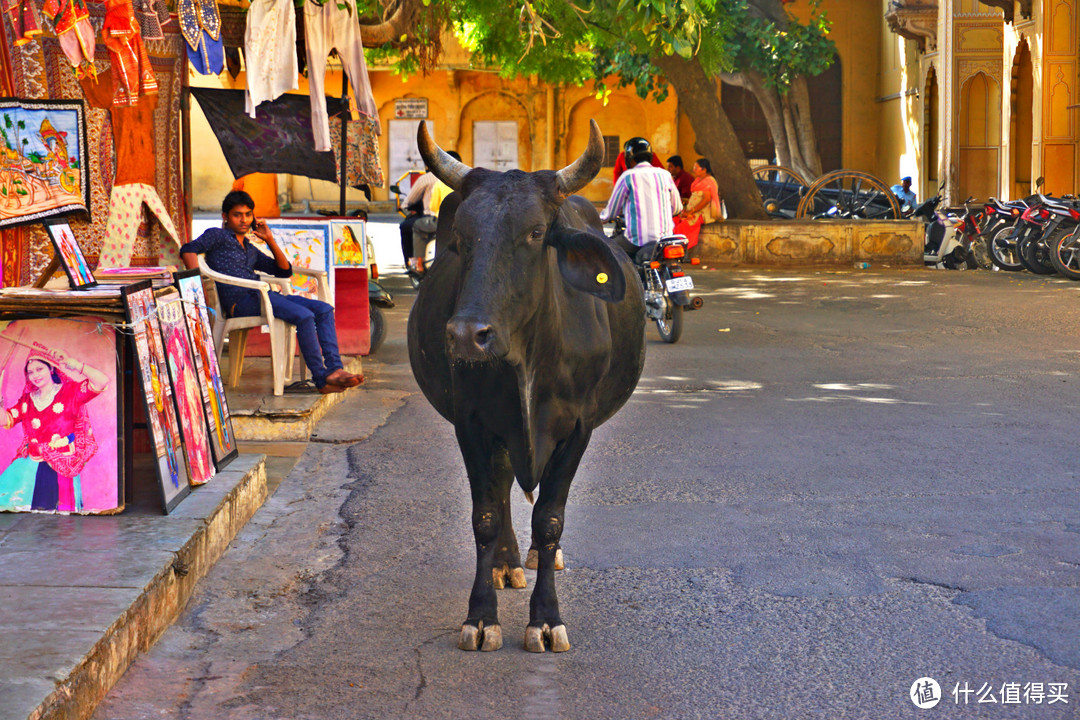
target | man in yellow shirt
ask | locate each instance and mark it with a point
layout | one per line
(424, 228)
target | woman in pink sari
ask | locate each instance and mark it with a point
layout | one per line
(704, 205)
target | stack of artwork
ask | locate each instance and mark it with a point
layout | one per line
(187, 414)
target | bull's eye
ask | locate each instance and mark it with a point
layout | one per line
(538, 232)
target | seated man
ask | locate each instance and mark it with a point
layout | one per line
(648, 196)
(904, 194)
(228, 251)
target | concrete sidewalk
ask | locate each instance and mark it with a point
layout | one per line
(83, 595)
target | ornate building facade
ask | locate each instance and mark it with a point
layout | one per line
(996, 94)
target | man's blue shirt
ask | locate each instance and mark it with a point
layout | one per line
(228, 257)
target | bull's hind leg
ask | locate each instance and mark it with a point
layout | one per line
(490, 488)
(545, 623)
(507, 570)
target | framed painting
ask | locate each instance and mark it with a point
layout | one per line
(60, 449)
(215, 405)
(185, 384)
(71, 255)
(157, 394)
(43, 166)
(306, 243)
(349, 236)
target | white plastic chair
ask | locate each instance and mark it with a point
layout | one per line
(282, 334)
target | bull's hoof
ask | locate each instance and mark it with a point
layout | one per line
(533, 559)
(554, 637)
(501, 575)
(478, 637)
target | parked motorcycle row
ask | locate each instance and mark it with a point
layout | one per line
(1039, 233)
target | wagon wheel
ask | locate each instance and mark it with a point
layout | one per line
(849, 194)
(781, 189)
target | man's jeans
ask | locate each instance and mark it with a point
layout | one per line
(315, 331)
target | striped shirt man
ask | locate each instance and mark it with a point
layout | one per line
(649, 198)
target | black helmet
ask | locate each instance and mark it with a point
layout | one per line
(637, 150)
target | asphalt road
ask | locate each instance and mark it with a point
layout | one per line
(837, 483)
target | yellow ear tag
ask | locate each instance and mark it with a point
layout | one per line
(601, 278)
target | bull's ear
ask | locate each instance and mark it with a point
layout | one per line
(590, 264)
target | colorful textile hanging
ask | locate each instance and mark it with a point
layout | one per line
(200, 24)
(127, 54)
(362, 152)
(24, 19)
(152, 14)
(71, 22)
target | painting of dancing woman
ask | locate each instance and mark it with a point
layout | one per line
(57, 433)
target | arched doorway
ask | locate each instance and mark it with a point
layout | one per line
(931, 136)
(1020, 129)
(979, 137)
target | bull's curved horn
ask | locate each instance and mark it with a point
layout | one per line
(580, 173)
(446, 168)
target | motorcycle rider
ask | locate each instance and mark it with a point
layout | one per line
(423, 230)
(417, 205)
(648, 196)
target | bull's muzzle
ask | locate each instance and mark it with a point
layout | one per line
(473, 340)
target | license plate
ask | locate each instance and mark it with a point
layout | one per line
(680, 283)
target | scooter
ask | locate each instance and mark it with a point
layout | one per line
(951, 237)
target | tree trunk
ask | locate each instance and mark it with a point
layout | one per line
(716, 138)
(788, 118)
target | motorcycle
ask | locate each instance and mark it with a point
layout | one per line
(1053, 217)
(667, 287)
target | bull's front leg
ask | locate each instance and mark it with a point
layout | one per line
(490, 490)
(507, 568)
(545, 623)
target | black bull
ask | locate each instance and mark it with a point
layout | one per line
(526, 334)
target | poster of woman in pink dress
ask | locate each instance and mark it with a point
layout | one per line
(59, 417)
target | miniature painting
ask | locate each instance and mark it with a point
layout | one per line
(185, 382)
(215, 405)
(306, 244)
(60, 411)
(43, 171)
(157, 392)
(71, 256)
(350, 241)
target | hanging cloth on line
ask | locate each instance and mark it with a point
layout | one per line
(270, 51)
(200, 24)
(328, 27)
(277, 141)
(361, 152)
